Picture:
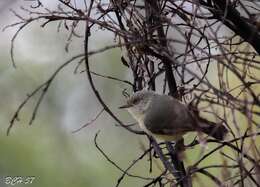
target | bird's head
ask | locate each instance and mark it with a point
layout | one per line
(139, 102)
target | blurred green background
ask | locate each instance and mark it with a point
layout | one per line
(48, 149)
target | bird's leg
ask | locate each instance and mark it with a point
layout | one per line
(162, 157)
(176, 153)
(179, 145)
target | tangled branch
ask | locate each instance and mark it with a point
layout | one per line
(205, 53)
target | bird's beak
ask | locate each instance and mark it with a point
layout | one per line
(125, 106)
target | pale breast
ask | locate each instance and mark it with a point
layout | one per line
(143, 127)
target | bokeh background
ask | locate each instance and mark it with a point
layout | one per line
(48, 150)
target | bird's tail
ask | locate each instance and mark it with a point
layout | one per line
(215, 130)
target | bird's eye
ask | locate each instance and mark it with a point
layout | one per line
(135, 101)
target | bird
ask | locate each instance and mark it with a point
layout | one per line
(166, 118)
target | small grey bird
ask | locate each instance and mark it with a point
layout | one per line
(164, 117)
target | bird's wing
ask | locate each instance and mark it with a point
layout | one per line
(168, 116)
